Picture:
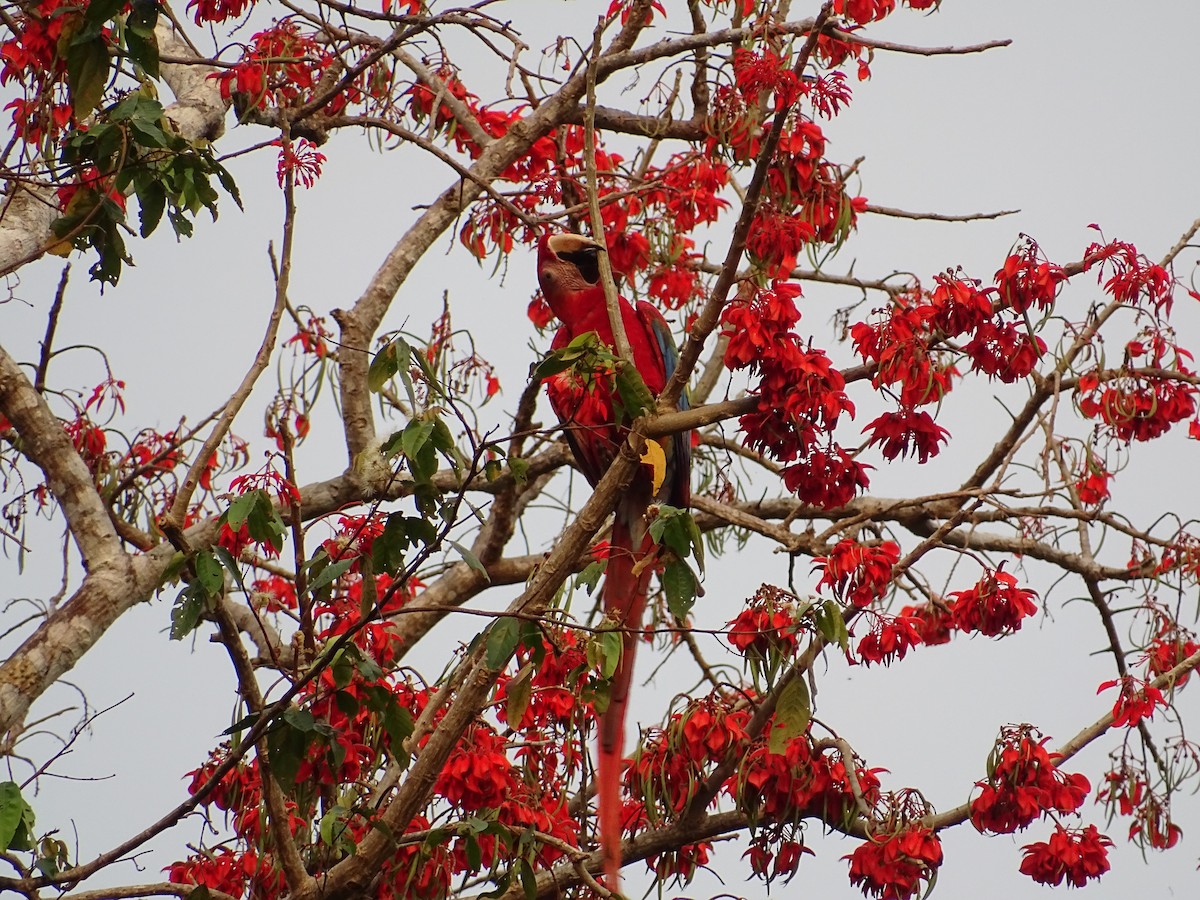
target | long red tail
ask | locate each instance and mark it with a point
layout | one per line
(625, 598)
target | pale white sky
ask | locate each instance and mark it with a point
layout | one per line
(1088, 117)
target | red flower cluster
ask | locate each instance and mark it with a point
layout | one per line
(799, 782)
(890, 638)
(1134, 279)
(894, 866)
(282, 67)
(826, 478)
(801, 396)
(1136, 700)
(1004, 350)
(1171, 646)
(1126, 792)
(905, 431)
(302, 160)
(1077, 856)
(1092, 486)
(478, 775)
(559, 678)
(1023, 783)
(786, 855)
(1027, 280)
(1135, 407)
(994, 606)
(218, 10)
(899, 342)
(765, 628)
(858, 574)
(933, 622)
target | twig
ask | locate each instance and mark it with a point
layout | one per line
(937, 217)
(39, 380)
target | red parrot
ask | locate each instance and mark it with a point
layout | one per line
(569, 274)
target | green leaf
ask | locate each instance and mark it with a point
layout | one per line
(101, 11)
(231, 566)
(333, 825)
(610, 645)
(239, 510)
(300, 719)
(502, 641)
(519, 466)
(146, 134)
(264, 522)
(832, 625)
(793, 712)
(585, 346)
(474, 853)
(209, 573)
(470, 559)
(140, 39)
(329, 574)
(342, 668)
(528, 879)
(590, 576)
(412, 441)
(697, 540)
(385, 365)
(242, 724)
(287, 747)
(520, 689)
(635, 396)
(87, 74)
(152, 200)
(680, 586)
(185, 614)
(227, 182)
(397, 721)
(12, 813)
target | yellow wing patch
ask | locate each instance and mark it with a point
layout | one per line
(654, 457)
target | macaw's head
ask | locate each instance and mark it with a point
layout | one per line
(567, 263)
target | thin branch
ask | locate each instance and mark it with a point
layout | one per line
(937, 217)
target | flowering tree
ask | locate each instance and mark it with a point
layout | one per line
(368, 759)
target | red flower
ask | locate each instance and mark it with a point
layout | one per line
(1171, 647)
(1005, 351)
(827, 479)
(933, 623)
(1077, 855)
(864, 11)
(477, 775)
(890, 638)
(1092, 487)
(217, 10)
(857, 573)
(893, 867)
(539, 312)
(1027, 280)
(767, 626)
(905, 431)
(302, 160)
(1023, 783)
(994, 606)
(1136, 701)
(1135, 407)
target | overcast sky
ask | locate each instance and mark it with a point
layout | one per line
(1089, 117)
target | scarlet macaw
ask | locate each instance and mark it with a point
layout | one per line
(569, 274)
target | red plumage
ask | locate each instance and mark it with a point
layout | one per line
(568, 271)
